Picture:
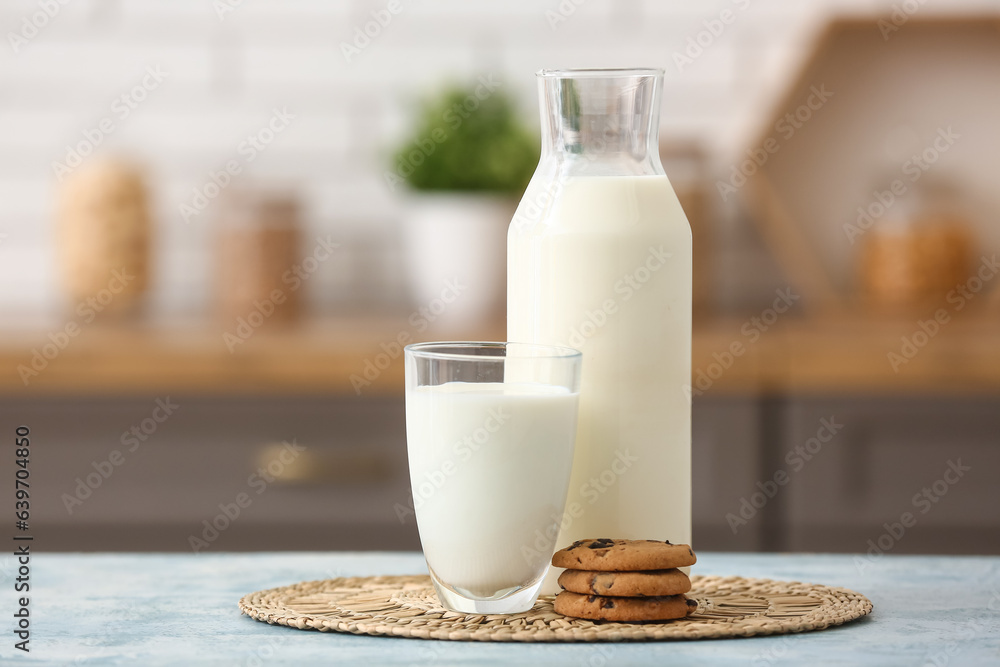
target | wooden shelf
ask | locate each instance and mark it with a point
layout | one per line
(319, 356)
(329, 356)
(848, 355)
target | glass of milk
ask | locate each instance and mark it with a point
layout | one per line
(490, 431)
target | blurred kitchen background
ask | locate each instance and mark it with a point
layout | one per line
(220, 220)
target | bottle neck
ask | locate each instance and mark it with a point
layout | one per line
(600, 118)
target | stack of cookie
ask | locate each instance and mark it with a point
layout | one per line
(624, 580)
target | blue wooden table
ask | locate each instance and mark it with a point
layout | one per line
(153, 609)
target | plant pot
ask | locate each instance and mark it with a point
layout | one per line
(456, 247)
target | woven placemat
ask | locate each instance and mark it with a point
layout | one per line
(406, 606)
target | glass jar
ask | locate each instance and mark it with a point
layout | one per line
(104, 236)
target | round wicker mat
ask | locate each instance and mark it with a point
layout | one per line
(406, 606)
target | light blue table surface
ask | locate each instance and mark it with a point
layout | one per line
(154, 609)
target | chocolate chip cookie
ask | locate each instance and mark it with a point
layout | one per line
(598, 608)
(606, 555)
(651, 583)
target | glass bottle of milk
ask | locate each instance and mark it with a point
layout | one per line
(599, 258)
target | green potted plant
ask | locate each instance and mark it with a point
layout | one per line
(463, 169)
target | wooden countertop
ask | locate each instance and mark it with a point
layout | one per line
(361, 355)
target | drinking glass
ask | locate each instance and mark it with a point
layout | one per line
(490, 429)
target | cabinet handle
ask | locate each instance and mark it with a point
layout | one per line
(351, 466)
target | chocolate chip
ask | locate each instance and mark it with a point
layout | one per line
(602, 543)
(690, 552)
(666, 541)
(591, 598)
(607, 603)
(691, 603)
(593, 582)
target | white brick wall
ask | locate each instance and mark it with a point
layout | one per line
(226, 75)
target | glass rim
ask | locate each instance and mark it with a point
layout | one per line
(427, 350)
(595, 72)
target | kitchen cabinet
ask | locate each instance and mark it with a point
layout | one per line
(348, 488)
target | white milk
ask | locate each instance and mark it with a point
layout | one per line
(489, 464)
(603, 264)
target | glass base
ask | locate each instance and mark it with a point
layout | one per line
(509, 601)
